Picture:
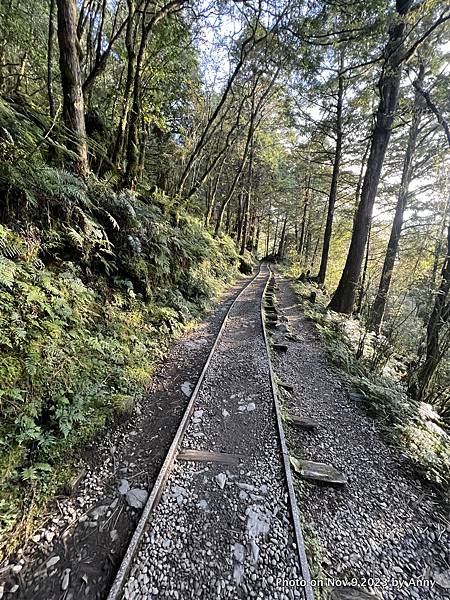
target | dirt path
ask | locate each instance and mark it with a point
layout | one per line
(77, 553)
(383, 524)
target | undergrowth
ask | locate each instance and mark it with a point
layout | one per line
(414, 427)
(93, 284)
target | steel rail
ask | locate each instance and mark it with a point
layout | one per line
(158, 487)
(308, 590)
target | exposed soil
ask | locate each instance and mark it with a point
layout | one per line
(87, 533)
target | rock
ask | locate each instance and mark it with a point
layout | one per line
(17, 568)
(302, 422)
(280, 347)
(49, 535)
(258, 522)
(283, 328)
(238, 572)
(246, 486)
(221, 479)
(113, 535)
(225, 413)
(65, 580)
(443, 579)
(52, 561)
(351, 593)
(316, 471)
(124, 487)
(14, 589)
(99, 511)
(250, 406)
(356, 397)
(202, 504)
(287, 386)
(136, 497)
(186, 388)
(238, 552)
(255, 550)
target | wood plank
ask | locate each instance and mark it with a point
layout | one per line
(206, 456)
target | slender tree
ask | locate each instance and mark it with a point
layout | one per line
(73, 100)
(388, 85)
(379, 305)
(334, 177)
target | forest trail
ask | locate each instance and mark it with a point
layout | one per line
(380, 532)
(156, 153)
(382, 528)
(223, 528)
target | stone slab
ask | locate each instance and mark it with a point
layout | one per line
(302, 422)
(285, 385)
(280, 347)
(316, 471)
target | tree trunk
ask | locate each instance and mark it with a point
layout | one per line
(379, 305)
(362, 289)
(248, 198)
(268, 227)
(51, 34)
(389, 85)
(302, 237)
(334, 179)
(131, 172)
(73, 102)
(439, 317)
(130, 42)
(282, 245)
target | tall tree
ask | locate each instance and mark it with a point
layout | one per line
(335, 175)
(440, 314)
(388, 85)
(73, 100)
(379, 305)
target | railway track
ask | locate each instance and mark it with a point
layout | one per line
(222, 521)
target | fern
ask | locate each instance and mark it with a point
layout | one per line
(7, 272)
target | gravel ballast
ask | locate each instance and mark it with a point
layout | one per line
(383, 527)
(224, 531)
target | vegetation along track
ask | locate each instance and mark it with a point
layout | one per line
(222, 521)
